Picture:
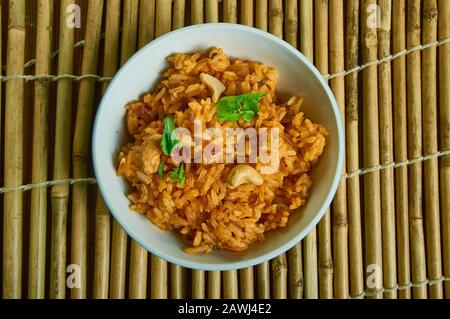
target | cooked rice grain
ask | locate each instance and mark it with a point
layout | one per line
(206, 212)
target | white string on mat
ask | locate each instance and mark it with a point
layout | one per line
(54, 54)
(388, 58)
(357, 69)
(28, 187)
(77, 45)
(377, 168)
(356, 173)
(427, 282)
(32, 62)
(54, 78)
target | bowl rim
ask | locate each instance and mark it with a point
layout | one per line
(240, 263)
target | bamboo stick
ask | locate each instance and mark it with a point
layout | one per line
(158, 278)
(119, 237)
(230, 285)
(263, 281)
(261, 14)
(263, 277)
(415, 150)
(81, 144)
(310, 241)
(430, 145)
(129, 32)
(214, 285)
(146, 22)
(178, 14)
(246, 283)
(138, 272)
(279, 277)
(401, 148)
(386, 152)
(61, 168)
(295, 272)
(279, 273)
(138, 255)
(306, 28)
(197, 11)
(118, 262)
(246, 275)
(38, 215)
(1, 72)
(291, 22)
(102, 248)
(198, 284)
(295, 268)
(372, 214)
(102, 216)
(352, 144)
(444, 110)
(340, 221)
(324, 236)
(229, 11)
(177, 273)
(177, 282)
(247, 12)
(276, 18)
(212, 11)
(198, 276)
(13, 164)
(163, 17)
(279, 264)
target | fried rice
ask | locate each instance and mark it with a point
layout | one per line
(206, 211)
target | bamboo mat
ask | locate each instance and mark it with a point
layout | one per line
(387, 233)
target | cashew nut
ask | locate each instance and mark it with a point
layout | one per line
(242, 174)
(216, 87)
(151, 151)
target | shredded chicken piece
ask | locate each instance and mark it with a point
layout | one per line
(151, 154)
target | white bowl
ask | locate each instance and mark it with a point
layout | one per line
(143, 71)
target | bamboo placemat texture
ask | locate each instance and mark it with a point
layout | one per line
(387, 233)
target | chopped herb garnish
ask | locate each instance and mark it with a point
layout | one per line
(233, 108)
(161, 170)
(178, 174)
(169, 140)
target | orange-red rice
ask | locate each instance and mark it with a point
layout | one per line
(206, 212)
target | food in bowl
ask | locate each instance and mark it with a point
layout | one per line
(215, 156)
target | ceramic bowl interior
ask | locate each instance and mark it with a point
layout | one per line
(143, 71)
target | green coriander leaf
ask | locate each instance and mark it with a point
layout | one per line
(248, 115)
(181, 175)
(169, 140)
(178, 174)
(250, 102)
(230, 103)
(161, 170)
(165, 145)
(169, 124)
(228, 108)
(233, 117)
(233, 108)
